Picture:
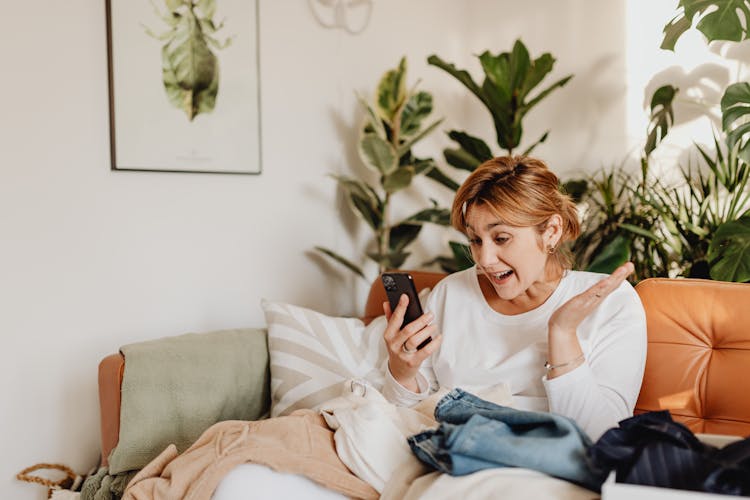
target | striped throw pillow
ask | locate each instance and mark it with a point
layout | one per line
(312, 353)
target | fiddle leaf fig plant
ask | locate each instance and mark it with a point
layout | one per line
(394, 123)
(509, 92)
(506, 91)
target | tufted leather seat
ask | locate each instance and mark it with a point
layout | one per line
(698, 363)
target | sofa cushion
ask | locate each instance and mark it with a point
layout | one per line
(176, 387)
(311, 354)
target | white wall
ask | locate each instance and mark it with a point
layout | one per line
(92, 259)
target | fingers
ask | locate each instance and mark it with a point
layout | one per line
(415, 359)
(609, 284)
(395, 318)
(411, 342)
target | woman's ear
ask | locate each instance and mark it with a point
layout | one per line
(553, 231)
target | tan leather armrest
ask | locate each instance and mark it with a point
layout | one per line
(111, 369)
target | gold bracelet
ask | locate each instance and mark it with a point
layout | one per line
(549, 367)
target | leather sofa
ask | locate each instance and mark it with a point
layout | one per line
(697, 366)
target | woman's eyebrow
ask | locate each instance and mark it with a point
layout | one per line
(489, 226)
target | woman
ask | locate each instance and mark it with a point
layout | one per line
(569, 342)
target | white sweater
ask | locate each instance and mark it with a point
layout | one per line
(483, 348)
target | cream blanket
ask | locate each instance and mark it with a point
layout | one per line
(371, 440)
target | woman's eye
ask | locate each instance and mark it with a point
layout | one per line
(500, 240)
(475, 241)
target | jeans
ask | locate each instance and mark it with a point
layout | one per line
(475, 434)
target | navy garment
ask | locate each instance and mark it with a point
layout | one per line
(652, 449)
(475, 434)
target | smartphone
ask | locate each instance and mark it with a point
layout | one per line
(397, 284)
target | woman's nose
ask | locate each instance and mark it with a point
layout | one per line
(486, 256)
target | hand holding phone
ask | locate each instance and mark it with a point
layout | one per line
(397, 284)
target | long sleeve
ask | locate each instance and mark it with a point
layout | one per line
(604, 389)
(401, 396)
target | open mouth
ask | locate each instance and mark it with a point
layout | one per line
(501, 277)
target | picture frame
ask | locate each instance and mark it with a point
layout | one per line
(184, 86)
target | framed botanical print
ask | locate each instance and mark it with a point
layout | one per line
(184, 85)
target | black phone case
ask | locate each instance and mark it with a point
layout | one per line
(397, 284)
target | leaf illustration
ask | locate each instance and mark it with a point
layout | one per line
(190, 69)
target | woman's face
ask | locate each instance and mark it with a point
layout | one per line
(513, 259)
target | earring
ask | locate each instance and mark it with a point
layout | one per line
(550, 249)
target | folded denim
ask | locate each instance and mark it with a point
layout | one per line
(652, 449)
(475, 435)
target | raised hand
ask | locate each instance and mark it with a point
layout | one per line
(569, 315)
(564, 351)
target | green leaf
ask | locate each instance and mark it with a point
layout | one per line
(544, 93)
(640, 231)
(190, 71)
(447, 263)
(461, 159)
(422, 166)
(735, 109)
(721, 23)
(391, 92)
(377, 154)
(398, 179)
(461, 254)
(459, 74)
(616, 253)
(341, 260)
(392, 260)
(724, 23)
(729, 251)
(364, 200)
(541, 67)
(406, 145)
(372, 119)
(473, 145)
(576, 189)
(662, 116)
(440, 177)
(417, 108)
(435, 215)
(401, 235)
(674, 30)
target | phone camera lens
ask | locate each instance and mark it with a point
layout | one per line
(389, 283)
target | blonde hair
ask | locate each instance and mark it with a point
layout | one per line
(522, 192)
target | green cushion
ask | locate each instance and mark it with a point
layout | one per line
(174, 388)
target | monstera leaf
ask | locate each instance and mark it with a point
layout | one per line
(729, 251)
(722, 22)
(735, 120)
(662, 116)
